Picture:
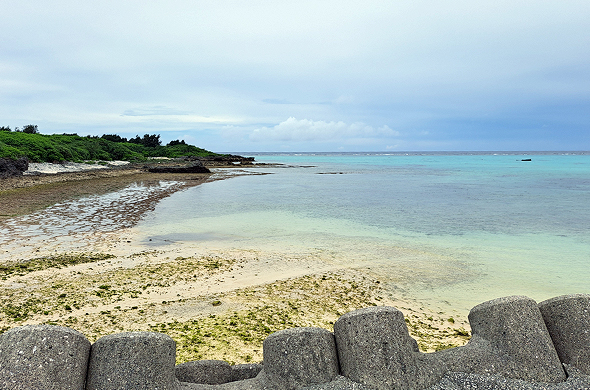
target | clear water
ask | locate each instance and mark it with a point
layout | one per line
(449, 229)
(69, 225)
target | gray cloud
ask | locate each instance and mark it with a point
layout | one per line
(413, 66)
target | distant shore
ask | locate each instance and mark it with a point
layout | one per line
(47, 173)
(45, 183)
(24, 194)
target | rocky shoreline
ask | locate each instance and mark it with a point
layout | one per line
(22, 173)
(26, 187)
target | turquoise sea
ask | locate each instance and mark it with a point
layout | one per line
(448, 229)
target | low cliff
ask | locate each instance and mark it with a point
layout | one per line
(10, 167)
(516, 344)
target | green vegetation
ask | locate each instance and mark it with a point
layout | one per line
(231, 325)
(41, 263)
(22, 311)
(72, 147)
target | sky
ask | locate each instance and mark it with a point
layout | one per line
(288, 76)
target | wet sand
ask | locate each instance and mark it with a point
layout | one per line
(28, 193)
(70, 258)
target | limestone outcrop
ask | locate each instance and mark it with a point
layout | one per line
(194, 167)
(10, 167)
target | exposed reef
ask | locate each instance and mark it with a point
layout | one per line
(195, 167)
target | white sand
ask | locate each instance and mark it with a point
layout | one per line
(172, 286)
(37, 168)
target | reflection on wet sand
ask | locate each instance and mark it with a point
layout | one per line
(72, 222)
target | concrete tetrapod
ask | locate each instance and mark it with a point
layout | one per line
(516, 344)
(509, 338)
(240, 372)
(208, 372)
(133, 361)
(568, 320)
(376, 350)
(298, 357)
(43, 357)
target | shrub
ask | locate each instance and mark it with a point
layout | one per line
(72, 147)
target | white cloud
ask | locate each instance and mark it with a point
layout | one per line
(305, 130)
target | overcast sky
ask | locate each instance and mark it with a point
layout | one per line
(233, 76)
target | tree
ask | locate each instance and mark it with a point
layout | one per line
(151, 141)
(5, 128)
(114, 138)
(30, 129)
(176, 142)
(135, 140)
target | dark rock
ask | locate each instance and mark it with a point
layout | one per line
(134, 361)
(208, 372)
(568, 320)
(9, 167)
(43, 357)
(299, 357)
(227, 159)
(196, 167)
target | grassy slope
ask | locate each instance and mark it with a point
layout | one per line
(52, 148)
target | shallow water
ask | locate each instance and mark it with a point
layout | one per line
(446, 229)
(68, 225)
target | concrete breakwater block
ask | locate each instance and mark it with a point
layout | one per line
(43, 357)
(133, 361)
(215, 372)
(376, 350)
(207, 372)
(509, 338)
(568, 320)
(241, 372)
(516, 344)
(298, 357)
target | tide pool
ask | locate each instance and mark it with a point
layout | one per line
(450, 229)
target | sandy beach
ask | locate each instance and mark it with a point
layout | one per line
(69, 256)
